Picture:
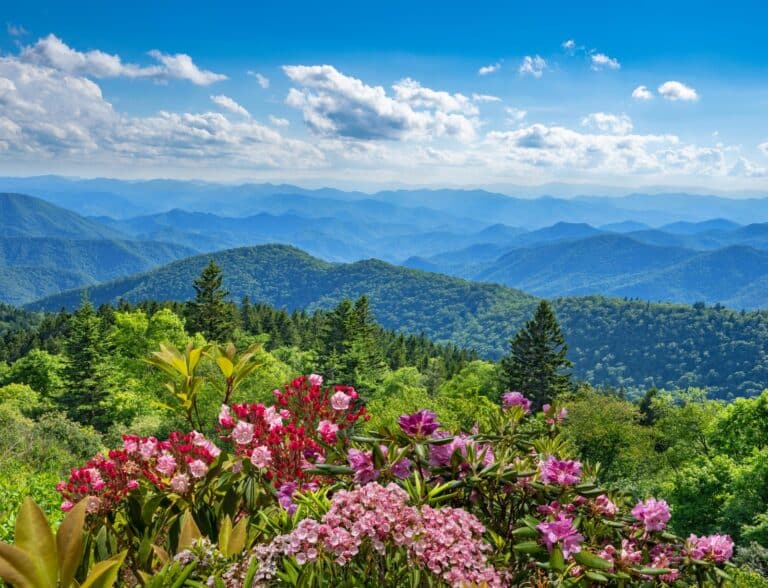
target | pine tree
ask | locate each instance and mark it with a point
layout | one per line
(209, 313)
(84, 373)
(537, 363)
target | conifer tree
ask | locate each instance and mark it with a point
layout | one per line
(209, 313)
(84, 375)
(537, 364)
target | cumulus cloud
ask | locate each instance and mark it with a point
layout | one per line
(262, 80)
(748, 169)
(673, 90)
(610, 123)
(569, 46)
(228, 103)
(489, 69)
(533, 65)
(485, 98)
(601, 61)
(338, 105)
(52, 52)
(763, 147)
(515, 116)
(278, 121)
(642, 93)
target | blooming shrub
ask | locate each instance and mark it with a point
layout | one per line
(299, 495)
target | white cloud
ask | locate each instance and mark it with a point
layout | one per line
(515, 116)
(229, 104)
(485, 98)
(52, 52)
(262, 80)
(489, 69)
(673, 90)
(15, 30)
(642, 93)
(569, 46)
(763, 147)
(748, 169)
(278, 121)
(533, 66)
(610, 123)
(334, 104)
(601, 61)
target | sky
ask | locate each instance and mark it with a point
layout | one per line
(370, 95)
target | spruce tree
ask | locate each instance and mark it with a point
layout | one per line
(209, 313)
(84, 373)
(537, 364)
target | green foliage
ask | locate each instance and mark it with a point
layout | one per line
(538, 361)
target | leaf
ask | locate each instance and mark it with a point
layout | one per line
(225, 366)
(525, 533)
(189, 532)
(527, 547)
(69, 542)
(597, 577)
(590, 560)
(654, 571)
(556, 560)
(17, 567)
(225, 532)
(33, 535)
(104, 573)
(238, 537)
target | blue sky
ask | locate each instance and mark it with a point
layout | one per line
(368, 95)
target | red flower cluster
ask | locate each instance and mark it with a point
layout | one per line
(176, 463)
(288, 437)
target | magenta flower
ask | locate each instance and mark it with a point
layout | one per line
(327, 431)
(563, 472)
(419, 424)
(362, 463)
(340, 401)
(402, 469)
(653, 513)
(552, 417)
(509, 399)
(166, 464)
(605, 506)
(717, 548)
(225, 417)
(561, 531)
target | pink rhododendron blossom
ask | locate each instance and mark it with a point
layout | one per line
(563, 472)
(340, 401)
(419, 424)
(654, 514)
(362, 463)
(514, 398)
(242, 433)
(605, 506)
(717, 548)
(552, 417)
(261, 456)
(561, 531)
(402, 469)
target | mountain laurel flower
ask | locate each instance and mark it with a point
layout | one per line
(514, 398)
(315, 379)
(419, 424)
(654, 514)
(717, 548)
(166, 464)
(563, 472)
(561, 531)
(340, 401)
(261, 457)
(198, 468)
(225, 417)
(243, 432)
(180, 483)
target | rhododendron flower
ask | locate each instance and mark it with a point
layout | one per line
(605, 506)
(327, 431)
(261, 456)
(242, 433)
(225, 417)
(285, 496)
(653, 513)
(180, 483)
(514, 398)
(402, 469)
(315, 379)
(166, 464)
(717, 548)
(562, 472)
(340, 401)
(362, 463)
(553, 418)
(419, 424)
(561, 531)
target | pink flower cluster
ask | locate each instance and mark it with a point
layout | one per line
(365, 471)
(563, 472)
(553, 416)
(654, 514)
(561, 531)
(176, 464)
(509, 399)
(448, 542)
(717, 548)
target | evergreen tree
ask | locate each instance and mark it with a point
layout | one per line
(84, 376)
(537, 363)
(209, 313)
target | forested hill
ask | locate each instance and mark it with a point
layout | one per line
(613, 342)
